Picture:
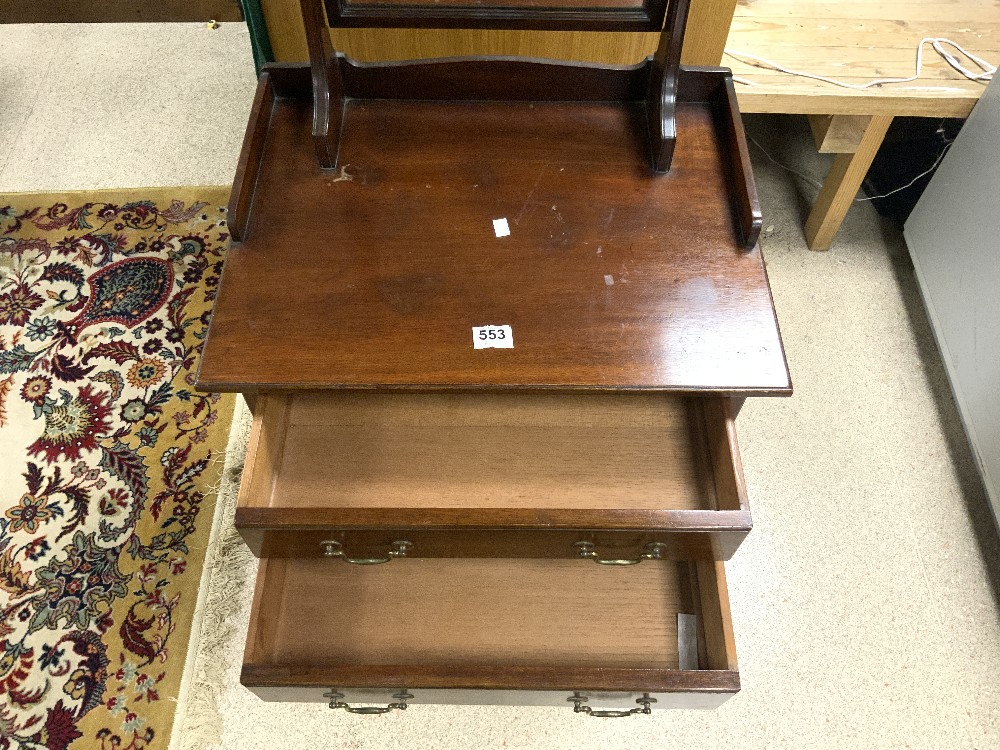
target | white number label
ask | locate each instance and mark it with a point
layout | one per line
(492, 337)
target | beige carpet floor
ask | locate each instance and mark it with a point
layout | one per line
(87, 106)
(864, 601)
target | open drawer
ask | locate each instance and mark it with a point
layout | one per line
(488, 631)
(613, 477)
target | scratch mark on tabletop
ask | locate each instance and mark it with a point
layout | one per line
(527, 200)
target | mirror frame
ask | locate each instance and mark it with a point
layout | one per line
(350, 14)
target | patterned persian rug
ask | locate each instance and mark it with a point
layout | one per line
(109, 459)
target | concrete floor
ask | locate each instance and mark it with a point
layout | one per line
(865, 601)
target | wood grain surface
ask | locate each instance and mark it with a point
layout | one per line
(612, 277)
(494, 79)
(525, 624)
(559, 15)
(327, 69)
(838, 134)
(694, 683)
(717, 620)
(856, 42)
(493, 475)
(525, 612)
(494, 451)
(708, 26)
(691, 538)
(841, 185)
(119, 11)
(251, 153)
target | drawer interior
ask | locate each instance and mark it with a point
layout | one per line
(475, 623)
(645, 451)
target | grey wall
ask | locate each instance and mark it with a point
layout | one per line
(954, 240)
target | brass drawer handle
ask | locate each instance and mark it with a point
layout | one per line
(400, 705)
(333, 548)
(578, 700)
(653, 551)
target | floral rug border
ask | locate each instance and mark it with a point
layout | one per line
(104, 303)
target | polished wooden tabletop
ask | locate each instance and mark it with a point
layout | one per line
(611, 277)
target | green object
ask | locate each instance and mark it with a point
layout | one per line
(260, 42)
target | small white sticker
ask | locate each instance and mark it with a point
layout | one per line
(492, 337)
(501, 227)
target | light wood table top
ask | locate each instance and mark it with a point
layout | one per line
(858, 41)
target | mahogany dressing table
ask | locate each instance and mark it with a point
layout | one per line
(493, 467)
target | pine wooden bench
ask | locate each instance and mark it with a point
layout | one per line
(856, 41)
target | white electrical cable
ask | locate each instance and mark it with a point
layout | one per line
(911, 182)
(937, 43)
(817, 184)
(808, 178)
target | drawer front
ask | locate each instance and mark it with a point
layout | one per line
(367, 546)
(493, 475)
(379, 700)
(517, 631)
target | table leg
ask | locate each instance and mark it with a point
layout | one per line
(841, 186)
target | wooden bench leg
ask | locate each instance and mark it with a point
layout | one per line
(841, 185)
(838, 134)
